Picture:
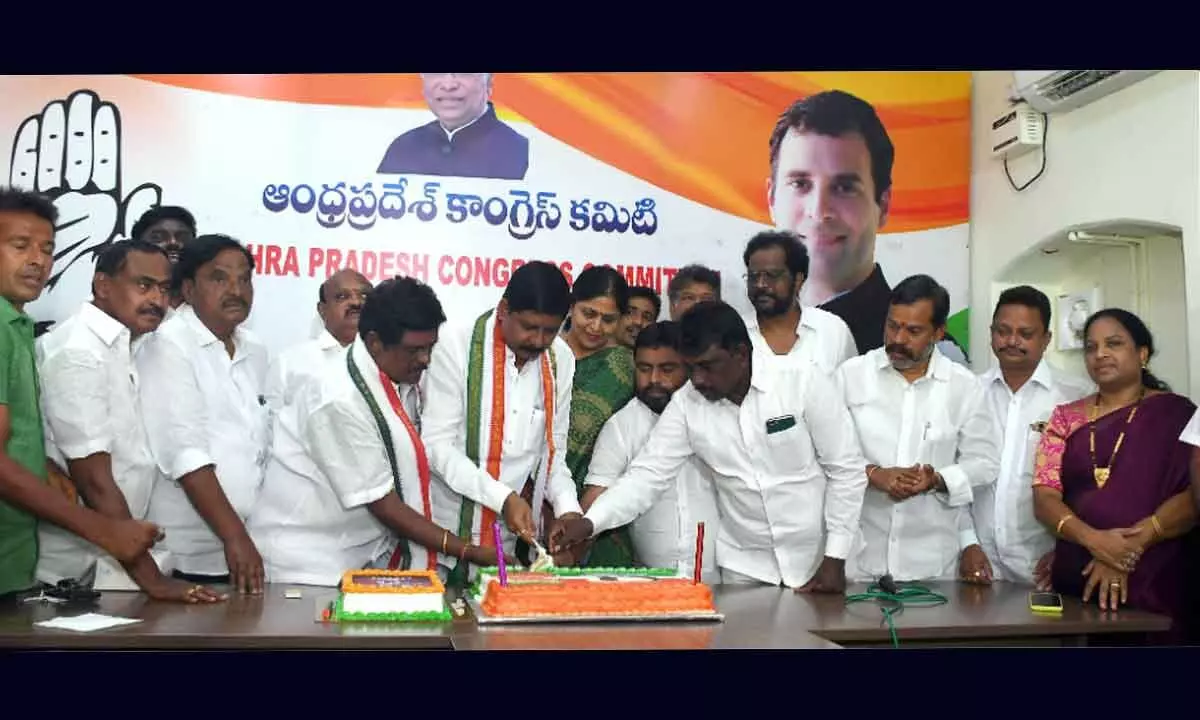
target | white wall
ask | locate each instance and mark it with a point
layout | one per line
(1132, 156)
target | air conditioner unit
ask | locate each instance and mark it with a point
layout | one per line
(1016, 132)
(1052, 91)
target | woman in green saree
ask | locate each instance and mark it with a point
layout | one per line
(603, 384)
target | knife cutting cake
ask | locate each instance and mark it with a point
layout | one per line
(391, 596)
(592, 592)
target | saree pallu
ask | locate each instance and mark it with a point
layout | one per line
(602, 385)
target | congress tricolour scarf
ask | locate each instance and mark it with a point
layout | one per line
(403, 446)
(486, 413)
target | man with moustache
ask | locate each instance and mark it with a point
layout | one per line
(931, 442)
(170, 227)
(465, 140)
(783, 332)
(497, 413)
(1022, 390)
(339, 305)
(348, 484)
(202, 382)
(94, 426)
(644, 309)
(788, 473)
(27, 223)
(665, 535)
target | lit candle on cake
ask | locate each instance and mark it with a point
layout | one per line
(699, 553)
(500, 554)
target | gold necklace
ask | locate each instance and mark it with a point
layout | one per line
(1101, 473)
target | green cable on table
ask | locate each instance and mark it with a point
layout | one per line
(911, 595)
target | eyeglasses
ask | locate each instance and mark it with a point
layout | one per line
(771, 276)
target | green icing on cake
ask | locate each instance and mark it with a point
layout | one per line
(340, 615)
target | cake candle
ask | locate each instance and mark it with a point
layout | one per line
(500, 555)
(699, 553)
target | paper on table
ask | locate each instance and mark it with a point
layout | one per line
(87, 622)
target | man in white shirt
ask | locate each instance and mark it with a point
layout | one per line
(203, 376)
(339, 304)
(94, 425)
(1022, 391)
(348, 484)
(665, 535)
(783, 333)
(781, 447)
(498, 406)
(931, 441)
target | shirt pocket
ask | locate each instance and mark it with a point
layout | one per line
(789, 450)
(535, 432)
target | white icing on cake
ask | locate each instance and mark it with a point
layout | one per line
(384, 602)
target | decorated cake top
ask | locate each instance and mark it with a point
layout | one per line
(556, 575)
(392, 581)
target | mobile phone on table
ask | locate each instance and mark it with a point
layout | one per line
(1045, 602)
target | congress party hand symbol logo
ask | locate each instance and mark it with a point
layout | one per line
(71, 152)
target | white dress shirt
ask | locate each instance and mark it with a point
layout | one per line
(89, 404)
(821, 337)
(1002, 514)
(328, 463)
(297, 365)
(444, 429)
(788, 469)
(665, 535)
(203, 408)
(943, 420)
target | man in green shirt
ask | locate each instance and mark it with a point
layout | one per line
(26, 255)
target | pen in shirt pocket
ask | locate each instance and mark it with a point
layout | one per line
(262, 400)
(925, 432)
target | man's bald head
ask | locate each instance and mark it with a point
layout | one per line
(339, 303)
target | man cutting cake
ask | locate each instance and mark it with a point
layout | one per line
(788, 469)
(498, 403)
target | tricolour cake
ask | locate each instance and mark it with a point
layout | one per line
(392, 596)
(592, 593)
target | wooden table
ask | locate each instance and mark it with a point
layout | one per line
(755, 617)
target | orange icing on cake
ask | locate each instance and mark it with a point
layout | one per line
(566, 597)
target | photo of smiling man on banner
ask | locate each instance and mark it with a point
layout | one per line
(465, 140)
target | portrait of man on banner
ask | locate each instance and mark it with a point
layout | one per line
(466, 138)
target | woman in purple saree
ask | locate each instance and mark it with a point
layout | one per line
(1111, 480)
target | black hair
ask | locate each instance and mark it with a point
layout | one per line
(647, 293)
(1028, 296)
(915, 288)
(712, 323)
(1141, 339)
(539, 287)
(321, 287)
(601, 281)
(795, 254)
(112, 258)
(399, 305)
(836, 113)
(16, 200)
(689, 274)
(664, 333)
(202, 251)
(162, 212)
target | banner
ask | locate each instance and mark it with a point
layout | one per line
(646, 172)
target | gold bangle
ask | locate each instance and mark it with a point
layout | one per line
(1065, 518)
(871, 469)
(1158, 530)
(463, 553)
(445, 537)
